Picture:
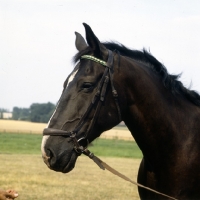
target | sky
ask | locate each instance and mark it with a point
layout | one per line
(37, 41)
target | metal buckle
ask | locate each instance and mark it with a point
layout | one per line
(81, 145)
(83, 142)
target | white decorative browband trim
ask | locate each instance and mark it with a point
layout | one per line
(94, 59)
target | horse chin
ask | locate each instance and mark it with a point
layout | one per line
(71, 164)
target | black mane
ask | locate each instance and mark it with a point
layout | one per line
(170, 81)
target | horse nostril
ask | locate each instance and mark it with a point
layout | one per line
(49, 153)
(46, 159)
(52, 157)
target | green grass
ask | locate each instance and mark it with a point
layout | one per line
(115, 148)
(20, 143)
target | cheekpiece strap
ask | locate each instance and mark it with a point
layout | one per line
(88, 57)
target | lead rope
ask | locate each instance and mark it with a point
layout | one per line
(104, 166)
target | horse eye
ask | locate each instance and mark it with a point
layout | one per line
(87, 85)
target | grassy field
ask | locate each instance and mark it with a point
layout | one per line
(14, 126)
(34, 181)
(20, 143)
(22, 168)
(21, 126)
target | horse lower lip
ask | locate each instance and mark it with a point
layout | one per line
(68, 167)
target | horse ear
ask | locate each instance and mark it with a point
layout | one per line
(98, 48)
(80, 42)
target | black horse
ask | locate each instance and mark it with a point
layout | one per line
(111, 83)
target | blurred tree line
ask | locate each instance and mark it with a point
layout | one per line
(37, 112)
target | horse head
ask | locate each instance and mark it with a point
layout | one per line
(89, 104)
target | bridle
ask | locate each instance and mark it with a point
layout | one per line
(81, 143)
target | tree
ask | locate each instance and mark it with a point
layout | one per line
(21, 114)
(41, 112)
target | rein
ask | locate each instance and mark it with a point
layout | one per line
(104, 166)
(98, 99)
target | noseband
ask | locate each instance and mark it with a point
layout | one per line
(81, 144)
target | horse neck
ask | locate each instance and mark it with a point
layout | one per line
(154, 115)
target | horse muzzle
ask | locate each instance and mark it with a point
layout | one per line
(58, 153)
